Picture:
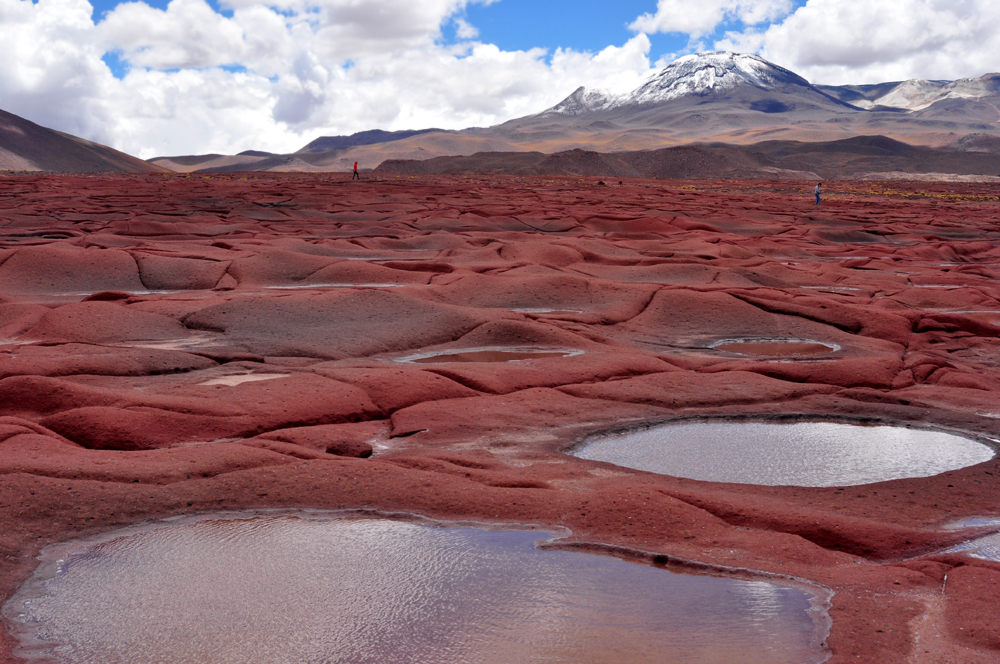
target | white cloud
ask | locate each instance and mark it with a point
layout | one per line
(837, 42)
(464, 29)
(188, 34)
(702, 17)
(50, 66)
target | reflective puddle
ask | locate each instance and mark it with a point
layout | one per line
(290, 589)
(797, 454)
(985, 548)
(775, 347)
(239, 379)
(487, 355)
(545, 310)
(338, 285)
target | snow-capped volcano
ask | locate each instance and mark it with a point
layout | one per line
(710, 72)
(691, 75)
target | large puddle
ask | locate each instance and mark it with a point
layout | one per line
(289, 589)
(798, 454)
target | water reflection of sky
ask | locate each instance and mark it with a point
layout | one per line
(987, 548)
(800, 454)
(285, 589)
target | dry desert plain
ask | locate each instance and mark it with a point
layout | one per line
(175, 344)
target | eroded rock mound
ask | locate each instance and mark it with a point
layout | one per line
(270, 342)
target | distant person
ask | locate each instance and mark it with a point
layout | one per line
(358, 177)
(816, 191)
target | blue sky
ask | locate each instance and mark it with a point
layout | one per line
(584, 25)
(520, 25)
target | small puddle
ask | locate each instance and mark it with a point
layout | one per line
(307, 286)
(545, 310)
(984, 548)
(194, 341)
(974, 522)
(487, 355)
(292, 589)
(233, 381)
(774, 347)
(819, 454)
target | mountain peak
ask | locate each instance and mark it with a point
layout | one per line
(692, 75)
(705, 73)
(581, 101)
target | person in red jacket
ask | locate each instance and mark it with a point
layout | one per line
(356, 176)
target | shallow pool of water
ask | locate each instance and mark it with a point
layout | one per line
(337, 285)
(775, 347)
(288, 589)
(798, 454)
(984, 548)
(545, 310)
(239, 379)
(487, 355)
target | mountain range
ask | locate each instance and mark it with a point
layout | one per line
(721, 97)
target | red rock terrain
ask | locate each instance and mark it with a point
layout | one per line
(178, 344)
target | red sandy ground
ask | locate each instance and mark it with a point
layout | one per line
(121, 296)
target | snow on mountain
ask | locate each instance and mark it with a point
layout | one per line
(690, 75)
(722, 72)
(582, 101)
(710, 72)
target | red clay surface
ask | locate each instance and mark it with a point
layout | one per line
(122, 296)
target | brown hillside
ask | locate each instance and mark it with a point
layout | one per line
(27, 146)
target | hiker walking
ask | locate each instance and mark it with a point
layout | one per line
(358, 177)
(816, 191)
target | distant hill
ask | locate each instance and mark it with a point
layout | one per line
(682, 162)
(852, 158)
(26, 146)
(914, 95)
(370, 137)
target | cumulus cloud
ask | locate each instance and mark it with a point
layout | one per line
(50, 65)
(703, 17)
(464, 29)
(275, 74)
(188, 34)
(837, 42)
